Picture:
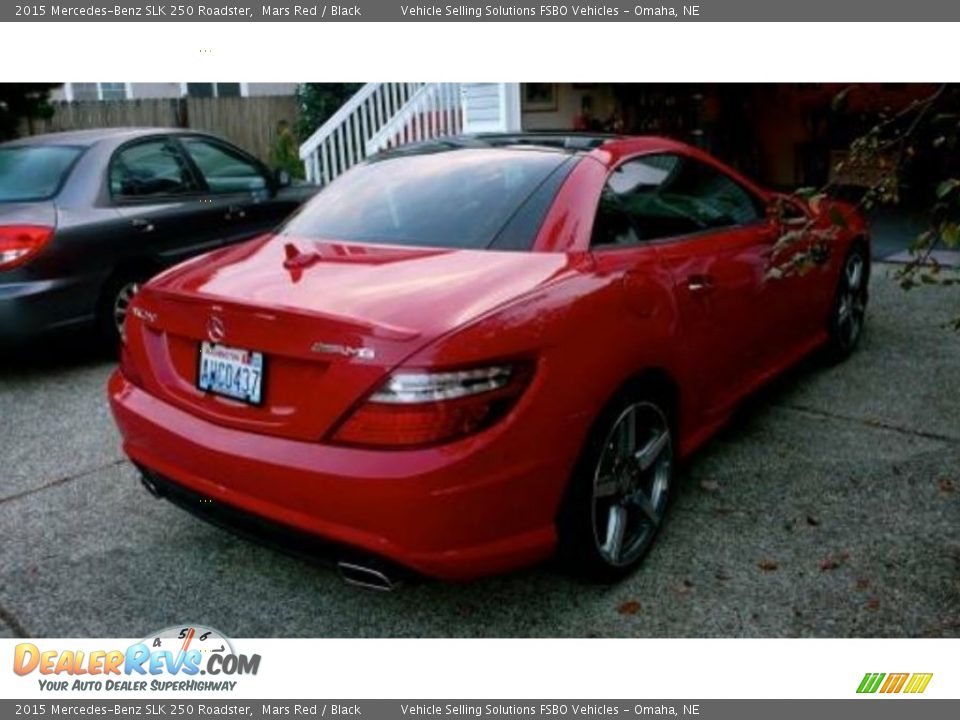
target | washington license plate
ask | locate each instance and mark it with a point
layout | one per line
(231, 372)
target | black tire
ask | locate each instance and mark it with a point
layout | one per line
(114, 298)
(848, 312)
(602, 488)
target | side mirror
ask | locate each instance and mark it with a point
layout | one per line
(282, 178)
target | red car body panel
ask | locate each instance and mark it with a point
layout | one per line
(700, 312)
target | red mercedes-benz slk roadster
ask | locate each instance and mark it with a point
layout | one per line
(468, 355)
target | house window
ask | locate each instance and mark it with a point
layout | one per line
(206, 90)
(113, 91)
(97, 91)
(228, 89)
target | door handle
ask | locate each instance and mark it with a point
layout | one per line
(235, 212)
(699, 284)
(142, 225)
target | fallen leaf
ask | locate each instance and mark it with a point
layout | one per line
(630, 607)
(873, 603)
(862, 583)
(946, 485)
(829, 563)
(710, 485)
(813, 521)
(768, 565)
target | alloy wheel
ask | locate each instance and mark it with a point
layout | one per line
(121, 303)
(631, 483)
(852, 304)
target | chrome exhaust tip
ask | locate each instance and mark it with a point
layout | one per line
(366, 577)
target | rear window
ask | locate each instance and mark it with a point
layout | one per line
(458, 198)
(34, 172)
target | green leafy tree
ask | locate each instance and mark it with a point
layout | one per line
(319, 101)
(920, 139)
(285, 153)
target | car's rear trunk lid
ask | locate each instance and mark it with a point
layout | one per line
(41, 212)
(331, 319)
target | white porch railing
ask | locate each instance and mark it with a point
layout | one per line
(378, 116)
(435, 110)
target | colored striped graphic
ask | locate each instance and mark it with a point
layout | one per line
(894, 683)
(918, 682)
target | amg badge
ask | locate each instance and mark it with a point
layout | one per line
(361, 353)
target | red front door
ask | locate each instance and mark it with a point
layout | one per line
(713, 236)
(726, 306)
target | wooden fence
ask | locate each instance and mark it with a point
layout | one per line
(250, 122)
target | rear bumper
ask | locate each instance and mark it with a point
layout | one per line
(455, 513)
(31, 308)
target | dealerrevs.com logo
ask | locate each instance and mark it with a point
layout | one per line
(910, 683)
(178, 658)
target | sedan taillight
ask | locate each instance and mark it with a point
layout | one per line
(416, 408)
(21, 243)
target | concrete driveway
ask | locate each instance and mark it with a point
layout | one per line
(829, 507)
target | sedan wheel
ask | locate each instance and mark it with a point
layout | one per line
(114, 304)
(121, 304)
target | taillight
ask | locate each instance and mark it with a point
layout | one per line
(21, 243)
(422, 407)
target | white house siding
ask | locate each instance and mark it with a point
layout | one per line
(491, 107)
(274, 88)
(146, 91)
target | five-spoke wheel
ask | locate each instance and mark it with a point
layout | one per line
(631, 482)
(619, 498)
(850, 305)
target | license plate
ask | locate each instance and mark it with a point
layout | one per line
(231, 372)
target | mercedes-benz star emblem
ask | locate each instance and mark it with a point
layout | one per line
(216, 329)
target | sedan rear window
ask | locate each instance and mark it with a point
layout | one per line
(459, 198)
(34, 172)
